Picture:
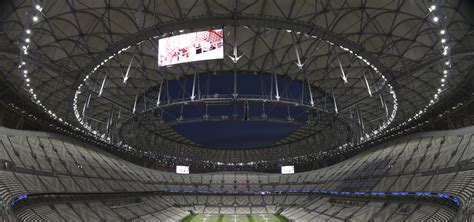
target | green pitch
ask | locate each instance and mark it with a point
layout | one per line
(235, 218)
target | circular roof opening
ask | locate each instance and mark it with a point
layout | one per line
(236, 134)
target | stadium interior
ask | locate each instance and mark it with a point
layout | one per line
(236, 110)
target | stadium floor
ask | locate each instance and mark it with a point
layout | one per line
(235, 218)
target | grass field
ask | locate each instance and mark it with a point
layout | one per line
(234, 218)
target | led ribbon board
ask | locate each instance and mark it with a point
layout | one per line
(191, 47)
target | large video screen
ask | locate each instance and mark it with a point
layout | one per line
(190, 47)
(182, 169)
(287, 169)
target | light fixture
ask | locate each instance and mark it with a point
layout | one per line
(28, 31)
(443, 40)
(442, 32)
(433, 7)
(435, 19)
(35, 18)
(39, 8)
(27, 40)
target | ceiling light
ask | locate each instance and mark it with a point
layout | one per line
(442, 32)
(27, 40)
(35, 18)
(433, 7)
(28, 31)
(443, 40)
(445, 71)
(435, 19)
(445, 52)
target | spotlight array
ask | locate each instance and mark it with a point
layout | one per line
(447, 65)
(34, 14)
(23, 65)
